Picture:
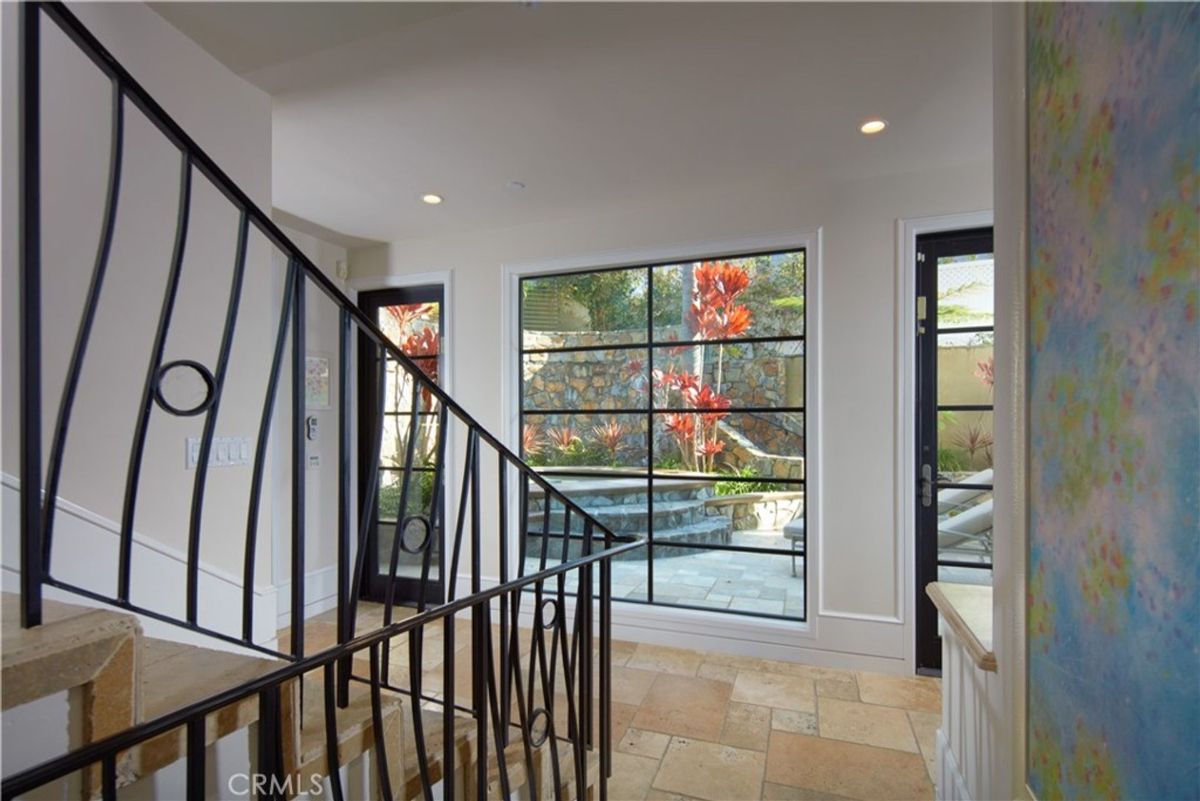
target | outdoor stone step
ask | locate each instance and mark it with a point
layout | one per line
(631, 518)
(711, 530)
(600, 492)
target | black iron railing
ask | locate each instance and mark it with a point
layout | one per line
(561, 641)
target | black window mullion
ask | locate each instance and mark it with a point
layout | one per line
(650, 411)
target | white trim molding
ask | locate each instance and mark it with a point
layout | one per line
(830, 637)
(159, 574)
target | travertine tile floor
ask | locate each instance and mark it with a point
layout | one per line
(707, 725)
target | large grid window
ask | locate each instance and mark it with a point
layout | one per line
(669, 401)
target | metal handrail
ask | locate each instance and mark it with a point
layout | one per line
(570, 645)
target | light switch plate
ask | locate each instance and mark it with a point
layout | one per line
(225, 452)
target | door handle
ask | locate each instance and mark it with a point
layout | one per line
(926, 485)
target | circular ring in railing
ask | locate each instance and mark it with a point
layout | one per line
(548, 620)
(187, 365)
(538, 734)
(419, 546)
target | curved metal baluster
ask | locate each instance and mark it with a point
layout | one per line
(332, 759)
(88, 317)
(381, 758)
(449, 743)
(547, 681)
(452, 576)
(570, 664)
(416, 657)
(506, 684)
(210, 416)
(133, 475)
(369, 509)
(402, 517)
(514, 666)
(260, 458)
(478, 633)
(498, 724)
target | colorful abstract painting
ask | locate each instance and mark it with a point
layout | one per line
(1114, 454)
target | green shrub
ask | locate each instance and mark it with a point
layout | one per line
(742, 482)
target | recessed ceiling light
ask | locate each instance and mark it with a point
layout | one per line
(872, 126)
(431, 199)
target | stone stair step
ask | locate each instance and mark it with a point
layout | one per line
(174, 675)
(356, 732)
(74, 646)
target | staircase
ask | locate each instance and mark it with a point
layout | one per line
(513, 698)
(116, 677)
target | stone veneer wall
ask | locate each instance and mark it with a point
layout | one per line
(752, 375)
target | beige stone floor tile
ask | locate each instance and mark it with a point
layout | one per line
(630, 685)
(622, 650)
(622, 718)
(793, 721)
(736, 661)
(781, 792)
(659, 795)
(805, 671)
(882, 726)
(711, 771)
(665, 659)
(918, 693)
(631, 777)
(644, 743)
(849, 769)
(717, 672)
(684, 705)
(775, 690)
(925, 726)
(843, 688)
(746, 726)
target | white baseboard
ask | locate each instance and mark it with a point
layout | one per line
(785, 641)
(86, 555)
(320, 595)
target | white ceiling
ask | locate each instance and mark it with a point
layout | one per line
(593, 105)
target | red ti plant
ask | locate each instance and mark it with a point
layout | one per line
(612, 436)
(682, 426)
(711, 406)
(709, 448)
(422, 348)
(531, 440)
(985, 371)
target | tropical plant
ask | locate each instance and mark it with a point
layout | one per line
(985, 371)
(531, 440)
(562, 438)
(742, 482)
(611, 436)
(953, 460)
(974, 439)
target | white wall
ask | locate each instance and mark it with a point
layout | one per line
(862, 611)
(231, 120)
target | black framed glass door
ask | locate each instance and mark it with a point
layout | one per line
(412, 318)
(955, 373)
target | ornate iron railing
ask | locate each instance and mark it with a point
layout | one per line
(565, 659)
